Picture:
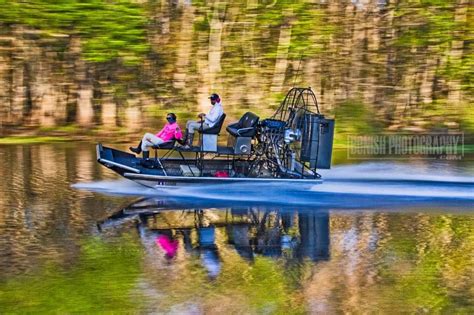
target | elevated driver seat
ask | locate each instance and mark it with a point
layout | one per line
(209, 136)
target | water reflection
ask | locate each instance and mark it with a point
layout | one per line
(332, 260)
(276, 233)
(41, 216)
(342, 253)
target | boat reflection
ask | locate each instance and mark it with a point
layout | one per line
(280, 233)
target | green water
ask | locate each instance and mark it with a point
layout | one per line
(263, 259)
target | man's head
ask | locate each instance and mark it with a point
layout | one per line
(214, 98)
(171, 118)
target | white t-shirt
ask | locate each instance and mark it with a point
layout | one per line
(214, 114)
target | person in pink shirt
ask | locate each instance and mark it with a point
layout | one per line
(170, 131)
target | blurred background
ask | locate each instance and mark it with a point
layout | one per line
(116, 67)
(110, 69)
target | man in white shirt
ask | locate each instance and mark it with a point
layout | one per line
(208, 120)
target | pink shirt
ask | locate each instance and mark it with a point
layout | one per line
(170, 132)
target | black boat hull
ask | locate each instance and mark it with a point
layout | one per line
(131, 167)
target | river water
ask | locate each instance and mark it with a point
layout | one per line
(376, 236)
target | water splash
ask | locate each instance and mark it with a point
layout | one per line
(116, 187)
(432, 172)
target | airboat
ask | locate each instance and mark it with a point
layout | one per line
(289, 146)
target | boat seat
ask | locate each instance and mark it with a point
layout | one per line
(208, 136)
(242, 132)
(245, 127)
(168, 145)
(165, 145)
(214, 130)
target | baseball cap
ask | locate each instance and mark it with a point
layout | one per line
(214, 96)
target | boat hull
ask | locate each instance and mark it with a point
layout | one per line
(130, 167)
(157, 181)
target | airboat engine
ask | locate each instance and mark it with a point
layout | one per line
(297, 139)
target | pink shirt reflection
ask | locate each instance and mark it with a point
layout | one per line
(168, 245)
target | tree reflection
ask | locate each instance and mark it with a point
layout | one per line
(257, 258)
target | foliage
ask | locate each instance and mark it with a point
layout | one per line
(428, 22)
(467, 118)
(310, 29)
(432, 26)
(423, 48)
(108, 29)
(353, 118)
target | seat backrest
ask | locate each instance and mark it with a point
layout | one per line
(220, 122)
(248, 120)
(216, 129)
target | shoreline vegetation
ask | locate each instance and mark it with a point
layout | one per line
(122, 136)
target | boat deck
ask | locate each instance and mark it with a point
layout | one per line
(126, 162)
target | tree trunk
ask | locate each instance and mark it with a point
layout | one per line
(82, 85)
(184, 49)
(109, 107)
(282, 53)
(215, 44)
(203, 87)
(85, 112)
(253, 75)
(47, 104)
(133, 114)
(17, 84)
(427, 77)
(456, 54)
(4, 80)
